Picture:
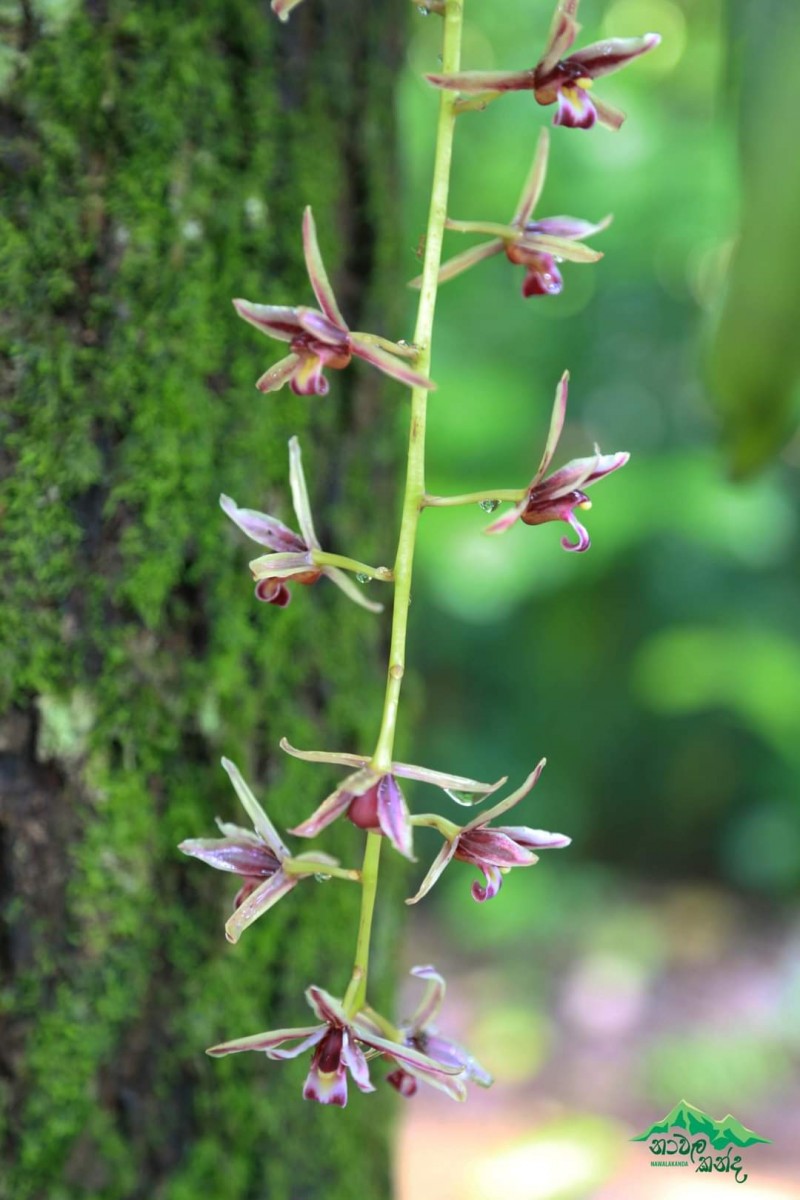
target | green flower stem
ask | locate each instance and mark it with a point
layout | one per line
(448, 829)
(357, 989)
(414, 499)
(513, 496)
(322, 559)
(307, 866)
(401, 349)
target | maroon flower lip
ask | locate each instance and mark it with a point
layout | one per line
(320, 338)
(337, 1049)
(559, 77)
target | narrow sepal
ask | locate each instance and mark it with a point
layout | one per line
(532, 190)
(266, 1041)
(393, 816)
(324, 756)
(275, 377)
(462, 262)
(483, 81)
(351, 589)
(436, 868)
(433, 998)
(316, 270)
(300, 500)
(261, 822)
(386, 362)
(275, 320)
(259, 901)
(509, 801)
(262, 528)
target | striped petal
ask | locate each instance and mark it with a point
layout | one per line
(300, 500)
(462, 262)
(262, 528)
(436, 868)
(324, 756)
(484, 81)
(259, 901)
(275, 377)
(275, 320)
(393, 817)
(601, 58)
(317, 273)
(336, 803)
(270, 1040)
(563, 31)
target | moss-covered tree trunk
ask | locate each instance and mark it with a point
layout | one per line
(156, 157)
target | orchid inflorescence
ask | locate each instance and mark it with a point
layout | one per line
(348, 1032)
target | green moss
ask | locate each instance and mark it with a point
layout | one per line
(159, 167)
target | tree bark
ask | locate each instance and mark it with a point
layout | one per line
(156, 159)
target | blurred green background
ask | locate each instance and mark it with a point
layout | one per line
(659, 672)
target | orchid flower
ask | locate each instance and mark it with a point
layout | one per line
(558, 77)
(373, 800)
(321, 339)
(558, 496)
(337, 1042)
(492, 850)
(259, 857)
(420, 1033)
(294, 559)
(537, 245)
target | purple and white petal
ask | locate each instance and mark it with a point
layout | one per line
(444, 1050)
(509, 801)
(534, 183)
(352, 590)
(432, 1000)
(536, 839)
(448, 1079)
(584, 541)
(259, 901)
(276, 321)
(248, 858)
(393, 817)
(261, 822)
(268, 1041)
(490, 847)
(484, 81)
(307, 378)
(300, 500)
(494, 881)
(281, 373)
(315, 1037)
(265, 530)
(356, 1063)
(327, 1007)
(316, 270)
(573, 476)
(437, 866)
(575, 109)
(323, 329)
(601, 58)
(386, 362)
(567, 227)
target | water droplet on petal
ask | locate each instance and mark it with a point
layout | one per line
(362, 578)
(488, 505)
(466, 799)
(423, 11)
(322, 878)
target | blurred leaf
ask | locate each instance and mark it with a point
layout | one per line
(754, 363)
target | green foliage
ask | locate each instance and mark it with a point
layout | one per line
(154, 175)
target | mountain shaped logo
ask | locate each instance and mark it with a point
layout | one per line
(719, 1134)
